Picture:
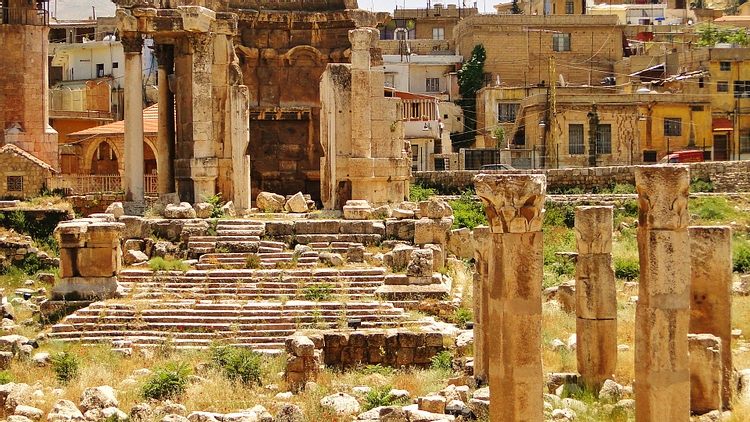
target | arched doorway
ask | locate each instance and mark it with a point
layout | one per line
(104, 160)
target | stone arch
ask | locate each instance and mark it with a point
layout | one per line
(304, 53)
(103, 157)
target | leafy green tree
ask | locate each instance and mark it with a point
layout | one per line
(709, 35)
(470, 80)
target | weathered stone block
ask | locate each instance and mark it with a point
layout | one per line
(400, 229)
(706, 373)
(663, 192)
(316, 227)
(593, 229)
(97, 262)
(596, 349)
(665, 269)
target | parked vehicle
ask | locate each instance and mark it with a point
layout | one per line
(495, 167)
(691, 156)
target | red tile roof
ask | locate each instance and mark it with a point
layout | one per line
(150, 125)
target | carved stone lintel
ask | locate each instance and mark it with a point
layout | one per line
(513, 203)
(132, 42)
(663, 192)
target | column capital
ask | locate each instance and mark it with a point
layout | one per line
(663, 192)
(132, 42)
(200, 43)
(363, 38)
(514, 203)
(164, 54)
(593, 228)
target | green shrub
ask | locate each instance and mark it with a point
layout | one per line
(621, 189)
(252, 261)
(741, 257)
(216, 201)
(468, 211)
(238, 364)
(627, 269)
(167, 382)
(318, 292)
(628, 210)
(462, 316)
(381, 396)
(559, 215)
(377, 369)
(5, 377)
(66, 366)
(712, 209)
(420, 193)
(701, 185)
(443, 360)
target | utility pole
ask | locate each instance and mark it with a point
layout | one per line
(553, 109)
(593, 129)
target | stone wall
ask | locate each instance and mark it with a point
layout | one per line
(33, 176)
(344, 350)
(727, 176)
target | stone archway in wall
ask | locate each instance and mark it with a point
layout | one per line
(104, 159)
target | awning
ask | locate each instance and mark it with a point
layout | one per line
(721, 124)
(658, 67)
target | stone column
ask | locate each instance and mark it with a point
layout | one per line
(204, 166)
(132, 44)
(711, 292)
(515, 208)
(481, 239)
(662, 370)
(596, 296)
(361, 39)
(165, 141)
(706, 373)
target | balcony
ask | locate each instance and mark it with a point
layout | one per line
(24, 15)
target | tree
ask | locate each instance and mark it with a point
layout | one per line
(709, 35)
(515, 9)
(470, 80)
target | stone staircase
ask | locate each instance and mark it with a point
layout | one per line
(213, 261)
(232, 235)
(255, 308)
(260, 325)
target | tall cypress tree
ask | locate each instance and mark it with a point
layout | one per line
(470, 80)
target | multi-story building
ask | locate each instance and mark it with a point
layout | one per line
(436, 23)
(592, 126)
(519, 47)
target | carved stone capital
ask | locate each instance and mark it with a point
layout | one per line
(132, 42)
(593, 228)
(362, 39)
(663, 192)
(513, 203)
(200, 45)
(164, 55)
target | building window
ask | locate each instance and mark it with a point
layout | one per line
(390, 80)
(604, 139)
(15, 183)
(432, 84)
(725, 66)
(507, 112)
(696, 108)
(115, 65)
(575, 139)
(722, 86)
(561, 42)
(569, 8)
(438, 33)
(672, 126)
(744, 142)
(741, 89)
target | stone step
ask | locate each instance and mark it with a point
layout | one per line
(235, 222)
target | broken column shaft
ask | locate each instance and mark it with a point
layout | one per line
(481, 239)
(711, 295)
(662, 371)
(596, 298)
(515, 208)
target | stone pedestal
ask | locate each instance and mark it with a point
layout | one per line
(515, 208)
(90, 259)
(662, 370)
(596, 296)
(481, 239)
(303, 362)
(711, 293)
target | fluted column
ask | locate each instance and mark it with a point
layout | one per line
(515, 208)
(132, 44)
(165, 141)
(596, 296)
(662, 369)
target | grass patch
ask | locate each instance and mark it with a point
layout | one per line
(161, 264)
(420, 193)
(319, 292)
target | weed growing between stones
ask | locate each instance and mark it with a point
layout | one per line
(468, 211)
(318, 292)
(161, 264)
(381, 396)
(443, 360)
(238, 364)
